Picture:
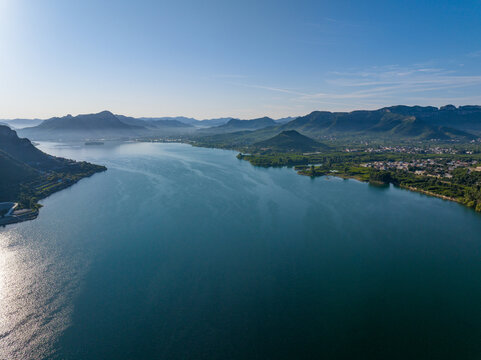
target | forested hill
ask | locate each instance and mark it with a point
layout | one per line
(290, 141)
(394, 123)
(28, 174)
(467, 118)
(398, 122)
(23, 151)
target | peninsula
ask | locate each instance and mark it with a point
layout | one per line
(29, 175)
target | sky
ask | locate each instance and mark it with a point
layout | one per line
(245, 59)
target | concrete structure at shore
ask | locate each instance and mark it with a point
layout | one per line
(8, 214)
(7, 208)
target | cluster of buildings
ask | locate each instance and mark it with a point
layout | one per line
(410, 150)
(429, 167)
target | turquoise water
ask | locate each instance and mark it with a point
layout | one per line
(188, 253)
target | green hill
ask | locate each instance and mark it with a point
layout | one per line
(290, 141)
(376, 123)
(23, 150)
(28, 174)
(14, 173)
(466, 118)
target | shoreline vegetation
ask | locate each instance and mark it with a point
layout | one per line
(31, 193)
(30, 175)
(449, 171)
(460, 184)
(446, 170)
(431, 150)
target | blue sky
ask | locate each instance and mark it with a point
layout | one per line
(235, 58)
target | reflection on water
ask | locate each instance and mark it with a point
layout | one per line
(32, 308)
(181, 252)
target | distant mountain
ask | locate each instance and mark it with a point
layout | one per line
(285, 120)
(181, 119)
(397, 122)
(213, 122)
(290, 141)
(21, 123)
(101, 120)
(407, 122)
(466, 118)
(152, 123)
(169, 123)
(382, 122)
(234, 125)
(191, 121)
(87, 126)
(253, 124)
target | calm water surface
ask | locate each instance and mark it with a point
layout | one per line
(188, 253)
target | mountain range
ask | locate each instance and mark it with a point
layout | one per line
(103, 125)
(239, 125)
(385, 122)
(395, 122)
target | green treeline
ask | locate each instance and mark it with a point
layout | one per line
(464, 186)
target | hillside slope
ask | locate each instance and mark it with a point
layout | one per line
(86, 126)
(290, 141)
(28, 174)
(377, 123)
(235, 125)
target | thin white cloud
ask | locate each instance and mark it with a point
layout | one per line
(392, 81)
(271, 88)
(375, 87)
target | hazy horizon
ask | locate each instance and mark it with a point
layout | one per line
(219, 117)
(246, 60)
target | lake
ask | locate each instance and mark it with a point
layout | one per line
(179, 252)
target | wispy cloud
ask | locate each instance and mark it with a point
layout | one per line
(392, 84)
(421, 84)
(271, 88)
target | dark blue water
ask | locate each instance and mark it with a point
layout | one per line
(188, 253)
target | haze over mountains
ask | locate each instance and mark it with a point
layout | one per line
(20, 123)
(396, 122)
(388, 122)
(240, 125)
(103, 125)
(21, 162)
(192, 121)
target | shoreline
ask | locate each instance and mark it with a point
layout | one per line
(32, 213)
(410, 188)
(429, 193)
(28, 214)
